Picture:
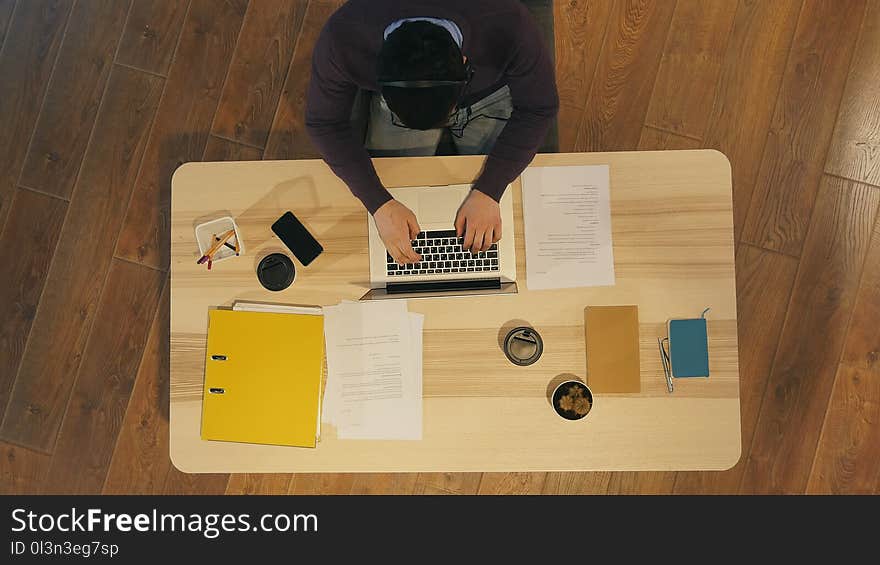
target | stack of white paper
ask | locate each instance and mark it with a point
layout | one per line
(374, 370)
(276, 308)
(567, 217)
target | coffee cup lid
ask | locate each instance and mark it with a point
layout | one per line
(523, 346)
(276, 271)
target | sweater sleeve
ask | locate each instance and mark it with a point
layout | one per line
(329, 102)
(532, 82)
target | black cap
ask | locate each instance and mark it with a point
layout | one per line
(276, 271)
(523, 346)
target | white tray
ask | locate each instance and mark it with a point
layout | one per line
(205, 236)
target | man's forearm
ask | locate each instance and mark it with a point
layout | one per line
(349, 160)
(329, 101)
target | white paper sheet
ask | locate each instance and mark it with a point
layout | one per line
(277, 308)
(374, 370)
(567, 217)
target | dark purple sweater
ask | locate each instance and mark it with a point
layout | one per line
(502, 43)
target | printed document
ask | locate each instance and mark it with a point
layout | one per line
(374, 370)
(567, 217)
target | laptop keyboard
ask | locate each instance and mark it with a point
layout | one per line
(441, 253)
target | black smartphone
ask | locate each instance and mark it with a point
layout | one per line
(297, 238)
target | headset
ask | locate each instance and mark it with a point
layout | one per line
(459, 96)
(463, 83)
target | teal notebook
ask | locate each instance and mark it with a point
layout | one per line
(689, 347)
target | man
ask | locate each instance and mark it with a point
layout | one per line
(476, 67)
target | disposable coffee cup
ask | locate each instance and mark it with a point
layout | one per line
(572, 400)
(276, 272)
(523, 346)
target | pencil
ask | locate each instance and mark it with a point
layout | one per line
(229, 245)
(209, 253)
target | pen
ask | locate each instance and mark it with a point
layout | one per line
(664, 358)
(229, 245)
(208, 254)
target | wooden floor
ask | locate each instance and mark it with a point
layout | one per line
(101, 100)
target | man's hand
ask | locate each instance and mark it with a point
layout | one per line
(397, 227)
(479, 219)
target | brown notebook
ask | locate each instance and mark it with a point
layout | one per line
(612, 336)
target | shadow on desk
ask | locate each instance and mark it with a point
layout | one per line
(259, 242)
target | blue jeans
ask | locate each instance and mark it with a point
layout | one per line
(488, 118)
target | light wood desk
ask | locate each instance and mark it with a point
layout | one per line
(674, 256)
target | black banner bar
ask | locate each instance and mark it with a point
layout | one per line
(133, 529)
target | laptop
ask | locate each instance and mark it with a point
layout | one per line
(446, 269)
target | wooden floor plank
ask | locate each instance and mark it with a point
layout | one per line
(182, 125)
(812, 339)
(855, 148)
(512, 483)
(322, 483)
(71, 104)
(75, 279)
(620, 91)
(151, 34)
(576, 483)
(631, 482)
(178, 482)
(653, 139)
(690, 66)
(849, 450)
(26, 249)
(261, 483)
(140, 460)
(384, 483)
(287, 137)
(763, 288)
(105, 381)
(863, 340)
(457, 483)
(6, 9)
(219, 149)
(22, 471)
(579, 27)
(569, 118)
(802, 123)
(750, 77)
(258, 70)
(428, 490)
(26, 61)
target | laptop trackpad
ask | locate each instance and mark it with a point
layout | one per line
(435, 207)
